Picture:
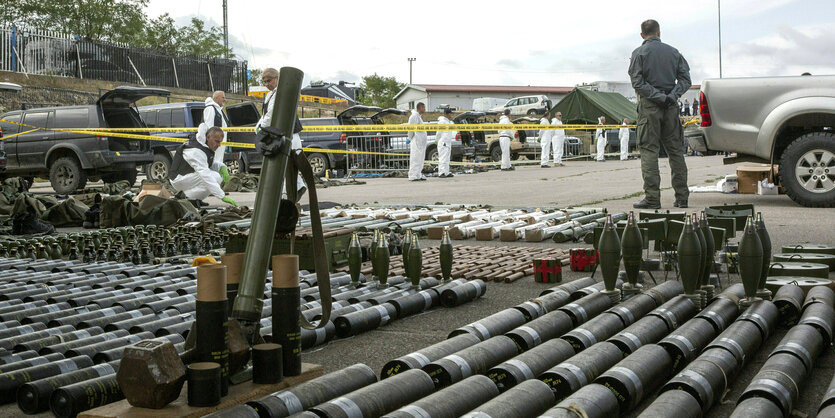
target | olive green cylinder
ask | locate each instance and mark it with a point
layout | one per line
(249, 303)
(415, 266)
(689, 257)
(633, 246)
(383, 260)
(445, 257)
(711, 249)
(750, 258)
(407, 242)
(354, 259)
(609, 252)
(765, 241)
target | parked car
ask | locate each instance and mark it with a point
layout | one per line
(526, 105)
(190, 115)
(483, 104)
(788, 121)
(613, 140)
(69, 159)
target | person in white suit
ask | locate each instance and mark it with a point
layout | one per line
(444, 143)
(600, 137)
(545, 136)
(558, 139)
(623, 136)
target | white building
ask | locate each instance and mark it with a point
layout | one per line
(437, 96)
(625, 88)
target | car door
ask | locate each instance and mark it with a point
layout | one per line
(32, 147)
(10, 144)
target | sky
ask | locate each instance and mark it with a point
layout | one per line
(546, 43)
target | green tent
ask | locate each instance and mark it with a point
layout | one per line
(583, 106)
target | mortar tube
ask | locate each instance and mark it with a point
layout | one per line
(287, 311)
(211, 322)
(248, 304)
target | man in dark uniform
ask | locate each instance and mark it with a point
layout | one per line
(660, 75)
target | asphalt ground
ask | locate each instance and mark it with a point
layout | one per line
(614, 185)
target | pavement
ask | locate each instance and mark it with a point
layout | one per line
(612, 184)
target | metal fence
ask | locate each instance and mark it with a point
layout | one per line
(390, 153)
(59, 54)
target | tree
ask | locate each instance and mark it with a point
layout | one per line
(105, 20)
(197, 39)
(160, 34)
(379, 90)
(255, 77)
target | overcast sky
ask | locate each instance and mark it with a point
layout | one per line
(518, 42)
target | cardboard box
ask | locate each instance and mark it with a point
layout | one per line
(748, 176)
(547, 270)
(153, 189)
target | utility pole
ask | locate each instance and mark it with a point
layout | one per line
(719, 12)
(411, 60)
(225, 31)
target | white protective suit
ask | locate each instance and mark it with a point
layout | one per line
(209, 113)
(623, 136)
(417, 148)
(600, 137)
(545, 136)
(558, 141)
(204, 181)
(505, 135)
(266, 120)
(444, 143)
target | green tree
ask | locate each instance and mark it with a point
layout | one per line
(197, 39)
(255, 77)
(160, 34)
(105, 20)
(379, 90)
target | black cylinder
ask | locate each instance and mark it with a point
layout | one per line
(12, 358)
(637, 375)
(778, 381)
(64, 347)
(706, 377)
(45, 317)
(76, 319)
(90, 350)
(761, 408)
(287, 328)
(554, 300)
(69, 401)
(161, 305)
(266, 363)
(20, 314)
(67, 337)
(578, 371)
(763, 314)
(314, 392)
(819, 294)
(10, 382)
(174, 317)
(634, 308)
(530, 364)
(530, 309)
(527, 399)
(113, 319)
(18, 306)
(470, 361)
(496, 324)
(204, 380)
(365, 320)
(379, 398)
(422, 357)
(570, 286)
(647, 330)
(451, 402)
(181, 328)
(685, 343)
(665, 291)
(720, 313)
(415, 303)
(462, 294)
(587, 307)
(742, 339)
(313, 337)
(211, 337)
(237, 411)
(820, 316)
(675, 311)
(335, 313)
(803, 342)
(21, 330)
(601, 328)
(534, 333)
(591, 401)
(595, 288)
(34, 361)
(788, 300)
(33, 397)
(673, 403)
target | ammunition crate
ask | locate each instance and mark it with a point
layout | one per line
(336, 249)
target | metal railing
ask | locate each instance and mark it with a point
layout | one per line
(60, 54)
(387, 152)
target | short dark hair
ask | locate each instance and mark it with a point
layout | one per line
(507, 111)
(650, 27)
(419, 104)
(214, 130)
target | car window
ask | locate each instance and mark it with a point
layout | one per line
(178, 118)
(164, 118)
(513, 102)
(10, 128)
(71, 118)
(37, 119)
(149, 117)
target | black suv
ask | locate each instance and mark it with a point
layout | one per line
(69, 159)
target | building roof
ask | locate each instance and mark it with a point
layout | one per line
(436, 88)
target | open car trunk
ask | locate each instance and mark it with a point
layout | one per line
(119, 111)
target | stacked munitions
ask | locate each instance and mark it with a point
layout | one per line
(135, 244)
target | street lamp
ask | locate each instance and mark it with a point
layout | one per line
(411, 60)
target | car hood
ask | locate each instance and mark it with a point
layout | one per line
(124, 96)
(466, 116)
(356, 110)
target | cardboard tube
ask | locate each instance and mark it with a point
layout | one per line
(234, 264)
(285, 271)
(211, 283)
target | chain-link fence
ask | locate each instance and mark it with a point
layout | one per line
(60, 54)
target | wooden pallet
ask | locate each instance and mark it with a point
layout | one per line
(238, 394)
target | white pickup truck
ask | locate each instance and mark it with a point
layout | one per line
(789, 121)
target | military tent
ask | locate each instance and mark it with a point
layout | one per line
(584, 106)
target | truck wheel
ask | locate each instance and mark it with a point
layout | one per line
(319, 164)
(807, 170)
(236, 166)
(514, 156)
(532, 112)
(66, 175)
(432, 154)
(158, 169)
(496, 153)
